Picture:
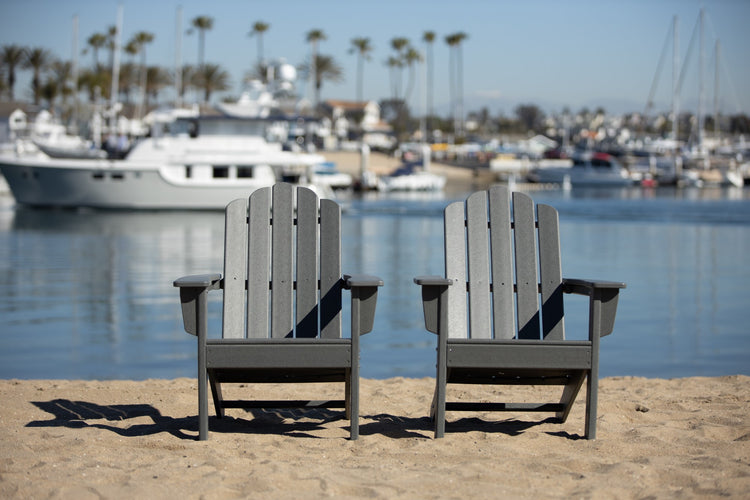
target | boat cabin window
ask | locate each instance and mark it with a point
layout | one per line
(244, 172)
(221, 172)
(188, 171)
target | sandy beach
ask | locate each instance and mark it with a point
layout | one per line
(685, 438)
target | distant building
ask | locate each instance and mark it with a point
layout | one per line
(358, 121)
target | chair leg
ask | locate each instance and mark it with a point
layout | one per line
(352, 404)
(439, 412)
(202, 406)
(433, 404)
(592, 397)
(202, 327)
(347, 395)
(569, 395)
(218, 397)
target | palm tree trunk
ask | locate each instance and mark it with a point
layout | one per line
(430, 111)
(460, 89)
(452, 85)
(359, 77)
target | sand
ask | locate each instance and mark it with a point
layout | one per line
(684, 438)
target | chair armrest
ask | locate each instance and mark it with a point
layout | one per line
(584, 287)
(191, 287)
(432, 281)
(364, 288)
(361, 280)
(198, 280)
(433, 288)
(603, 295)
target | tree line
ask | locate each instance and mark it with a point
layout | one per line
(53, 80)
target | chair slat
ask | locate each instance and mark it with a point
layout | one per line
(501, 251)
(282, 322)
(258, 259)
(550, 270)
(455, 268)
(330, 269)
(526, 267)
(478, 251)
(235, 261)
(307, 263)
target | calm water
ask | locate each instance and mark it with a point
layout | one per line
(89, 294)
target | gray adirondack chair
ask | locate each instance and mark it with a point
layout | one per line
(282, 303)
(487, 314)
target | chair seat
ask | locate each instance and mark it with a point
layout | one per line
(519, 354)
(529, 376)
(277, 375)
(289, 354)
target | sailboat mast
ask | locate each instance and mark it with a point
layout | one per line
(115, 73)
(178, 58)
(675, 79)
(74, 72)
(701, 86)
(716, 90)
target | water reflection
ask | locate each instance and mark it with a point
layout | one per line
(89, 294)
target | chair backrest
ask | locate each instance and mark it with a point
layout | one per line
(282, 265)
(494, 252)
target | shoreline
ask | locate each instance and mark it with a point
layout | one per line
(113, 439)
(459, 179)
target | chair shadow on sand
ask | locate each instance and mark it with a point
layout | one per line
(286, 422)
(401, 427)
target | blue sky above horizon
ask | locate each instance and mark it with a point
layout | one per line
(585, 53)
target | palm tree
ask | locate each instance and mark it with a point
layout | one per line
(37, 59)
(129, 71)
(111, 44)
(313, 37)
(362, 47)
(429, 37)
(258, 29)
(259, 71)
(139, 40)
(96, 41)
(211, 78)
(456, 78)
(128, 80)
(92, 80)
(396, 65)
(12, 56)
(188, 79)
(63, 71)
(50, 90)
(158, 78)
(325, 68)
(202, 24)
(411, 56)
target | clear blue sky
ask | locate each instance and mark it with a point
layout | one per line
(553, 53)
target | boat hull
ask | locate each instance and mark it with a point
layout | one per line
(105, 184)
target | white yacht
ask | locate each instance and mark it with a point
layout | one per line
(204, 163)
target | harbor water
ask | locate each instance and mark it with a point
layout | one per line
(88, 294)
